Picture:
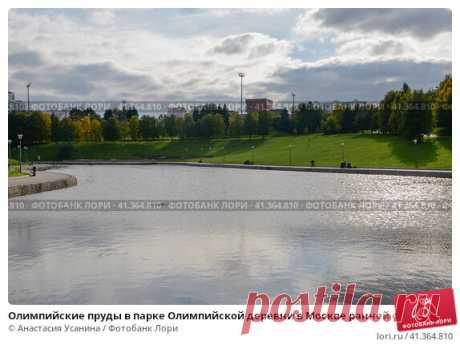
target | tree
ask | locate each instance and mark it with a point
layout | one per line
(236, 125)
(196, 114)
(226, 116)
(78, 114)
(78, 130)
(66, 130)
(284, 123)
(442, 110)
(148, 127)
(111, 129)
(169, 123)
(211, 125)
(131, 112)
(264, 123)
(417, 118)
(300, 118)
(363, 120)
(86, 128)
(330, 124)
(387, 106)
(96, 129)
(108, 114)
(250, 124)
(38, 127)
(134, 127)
(218, 125)
(313, 118)
(189, 129)
(180, 126)
(124, 130)
(306, 117)
(346, 120)
(54, 128)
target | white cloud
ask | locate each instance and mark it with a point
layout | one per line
(190, 54)
(386, 34)
(416, 22)
(102, 17)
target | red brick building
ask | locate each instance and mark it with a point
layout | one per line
(258, 104)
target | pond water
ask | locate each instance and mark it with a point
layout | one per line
(216, 257)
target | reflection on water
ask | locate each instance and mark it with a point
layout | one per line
(217, 257)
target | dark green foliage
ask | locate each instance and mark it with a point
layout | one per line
(65, 152)
(111, 129)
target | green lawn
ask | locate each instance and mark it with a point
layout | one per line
(13, 168)
(361, 150)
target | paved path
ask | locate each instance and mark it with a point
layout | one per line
(368, 171)
(44, 181)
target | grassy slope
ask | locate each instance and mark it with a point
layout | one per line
(13, 168)
(362, 150)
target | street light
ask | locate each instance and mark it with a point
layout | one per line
(28, 96)
(293, 104)
(20, 152)
(241, 75)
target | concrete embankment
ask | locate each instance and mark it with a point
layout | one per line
(368, 171)
(44, 181)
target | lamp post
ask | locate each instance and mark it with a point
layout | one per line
(290, 154)
(241, 75)
(28, 96)
(9, 147)
(20, 152)
(293, 103)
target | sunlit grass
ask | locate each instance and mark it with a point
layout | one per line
(362, 150)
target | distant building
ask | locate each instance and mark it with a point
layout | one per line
(177, 111)
(258, 104)
(15, 105)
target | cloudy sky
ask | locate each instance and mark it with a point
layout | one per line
(195, 54)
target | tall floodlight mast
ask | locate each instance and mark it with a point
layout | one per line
(241, 75)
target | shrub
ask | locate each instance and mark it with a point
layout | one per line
(65, 152)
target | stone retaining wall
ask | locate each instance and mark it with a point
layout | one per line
(42, 186)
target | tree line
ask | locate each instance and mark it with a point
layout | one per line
(405, 112)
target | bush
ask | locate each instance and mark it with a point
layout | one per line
(248, 162)
(442, 131)
(65, 152)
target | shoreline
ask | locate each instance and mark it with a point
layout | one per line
(366, 171)
(44, 182)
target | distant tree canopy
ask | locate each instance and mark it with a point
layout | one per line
(404, 112)
(443, 105)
